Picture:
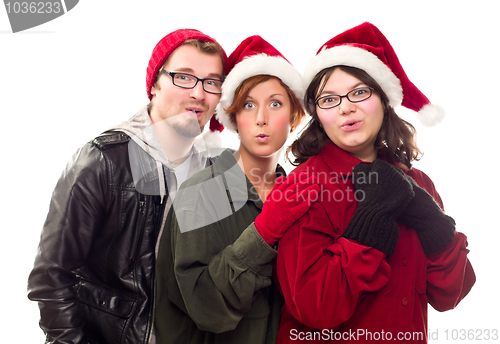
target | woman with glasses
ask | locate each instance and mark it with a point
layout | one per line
(375, 248)
(214, 269)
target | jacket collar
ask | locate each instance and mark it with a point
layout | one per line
(147, 159)
(237, 184)
(339, 160)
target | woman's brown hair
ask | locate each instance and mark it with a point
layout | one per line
(241, 94)
(396, 140)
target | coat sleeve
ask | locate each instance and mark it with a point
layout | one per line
(75, 215)
(217, 277)
(450, 275)
(323, 275)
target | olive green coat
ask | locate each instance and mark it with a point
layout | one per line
(214, 270)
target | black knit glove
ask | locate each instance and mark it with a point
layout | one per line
(434, 228)
(384, 193)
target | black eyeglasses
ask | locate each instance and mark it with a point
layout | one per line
(355, 96)
(190, 81)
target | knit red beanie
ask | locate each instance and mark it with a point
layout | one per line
(165, 47)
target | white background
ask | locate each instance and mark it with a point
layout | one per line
(64, 82)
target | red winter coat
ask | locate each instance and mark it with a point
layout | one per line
(337, 289)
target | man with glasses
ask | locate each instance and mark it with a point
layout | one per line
(93, 275)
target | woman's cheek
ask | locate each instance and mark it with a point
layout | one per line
(282, 121)
(243, 122)
(326, 118)
(372, 108)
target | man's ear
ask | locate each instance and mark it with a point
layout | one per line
(153, 91)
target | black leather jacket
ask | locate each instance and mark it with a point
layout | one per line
(94, 271)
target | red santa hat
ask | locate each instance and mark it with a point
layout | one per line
(165, 47)
(255, 56)
(366, 48)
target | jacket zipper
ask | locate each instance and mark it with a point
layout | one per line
(153, 285)
(138, 229)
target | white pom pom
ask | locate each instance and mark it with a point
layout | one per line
(431, 115)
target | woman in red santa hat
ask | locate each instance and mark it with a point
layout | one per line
(376, 247)
(214, 269)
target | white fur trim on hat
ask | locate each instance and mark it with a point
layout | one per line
(360, 58)
(259, 64)
(430, 115)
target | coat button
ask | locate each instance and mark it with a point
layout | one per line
(405, 301)
(404, 261)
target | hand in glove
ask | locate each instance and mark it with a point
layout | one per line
(434, 228)
(288, 201)
(385, 195)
